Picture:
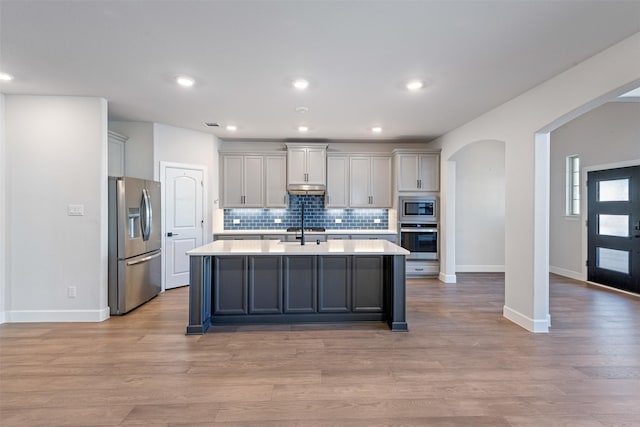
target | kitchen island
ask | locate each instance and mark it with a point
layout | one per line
(268, 281)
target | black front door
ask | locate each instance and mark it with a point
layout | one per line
(614, 228)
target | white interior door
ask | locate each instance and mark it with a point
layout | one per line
(184, 225)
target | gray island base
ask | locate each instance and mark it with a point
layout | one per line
(262, 281)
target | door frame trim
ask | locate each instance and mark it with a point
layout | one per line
(163, 170)
(584, 209)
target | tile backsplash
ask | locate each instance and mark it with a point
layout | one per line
(315, 215)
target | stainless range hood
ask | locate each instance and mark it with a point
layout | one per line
(308, 189)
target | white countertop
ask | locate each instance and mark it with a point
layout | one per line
(275, 247)
(328, 231)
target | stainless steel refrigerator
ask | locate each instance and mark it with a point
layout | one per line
(135, 269)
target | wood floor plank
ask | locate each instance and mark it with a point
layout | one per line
(461, 364)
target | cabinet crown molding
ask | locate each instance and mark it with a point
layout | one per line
(415, 151)
(116, 136)
(306, 144)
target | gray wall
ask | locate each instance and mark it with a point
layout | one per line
(3, 215)
(61, 161)
(607, 135)
(185, 146)
(480, 207)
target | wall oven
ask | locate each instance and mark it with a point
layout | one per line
(419, 239)
(418, 210)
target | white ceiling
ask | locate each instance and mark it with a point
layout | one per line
(357, 54)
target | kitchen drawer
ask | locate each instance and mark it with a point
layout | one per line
(422, 268)
(338, 237)
(393, 238)
(237, 237)
(280, 237)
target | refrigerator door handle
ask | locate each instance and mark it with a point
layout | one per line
(146, 214)
(145, 259)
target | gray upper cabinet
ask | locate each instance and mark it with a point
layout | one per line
(337, 182)
(370, 182)
(275, 179)
(242, 181)
(418, 172)
(116, 165)
(253, 180)
(306, 164)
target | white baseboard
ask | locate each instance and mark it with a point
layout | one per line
(611, 288)
(532, 325)
(479, 268)
(43, 316)
(3, 317)
(566, 273)
(447, 278)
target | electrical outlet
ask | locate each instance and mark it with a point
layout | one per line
(236, 221)
(376, 221)
(75, 210)
(277, 220)
(338, 221)
(72, 291)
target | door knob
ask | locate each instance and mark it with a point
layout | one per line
(170, 234)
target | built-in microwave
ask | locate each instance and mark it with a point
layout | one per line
(418, 210)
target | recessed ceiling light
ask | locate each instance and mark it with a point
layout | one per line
(302, 110)
(414, 85)
(5, 77)
(232, 128)
(376, 129)
(300, 84)
(303, 128)
(185, 81)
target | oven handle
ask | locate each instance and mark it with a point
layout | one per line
(418, 230)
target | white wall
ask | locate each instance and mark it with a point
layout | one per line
(3, 208)
(177, 145)
(480, 207)
(138, 161)
(56, 156)
(606, 135)
(517, 123)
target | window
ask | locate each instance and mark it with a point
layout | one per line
(573, 185)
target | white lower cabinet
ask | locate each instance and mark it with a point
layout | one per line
(422, 268)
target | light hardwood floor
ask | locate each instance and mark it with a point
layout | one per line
(461, 364)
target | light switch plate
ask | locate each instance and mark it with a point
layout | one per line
(236, 221)
(338, 221)
(376, 221)
(75, 210)
(277, 220)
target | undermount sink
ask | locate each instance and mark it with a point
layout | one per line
(306, 242)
